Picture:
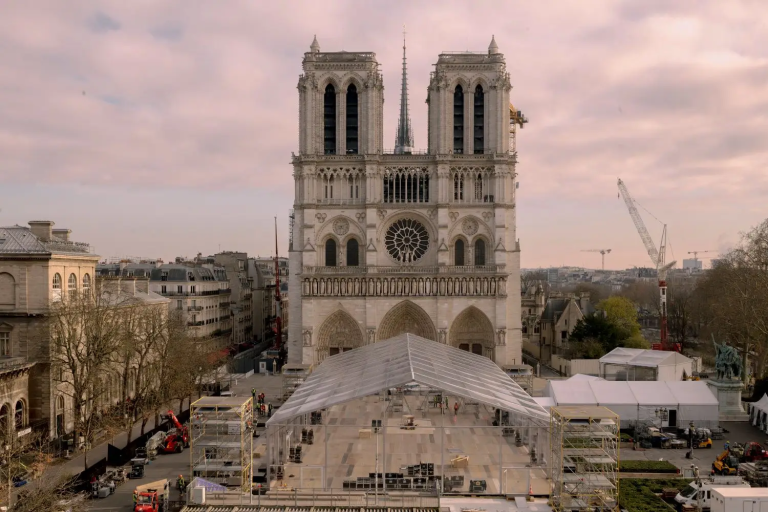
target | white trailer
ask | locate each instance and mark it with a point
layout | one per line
(695, 495)
(739, 499)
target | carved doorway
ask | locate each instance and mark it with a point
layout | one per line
(338, 334)
(473, 332)
(406, 317)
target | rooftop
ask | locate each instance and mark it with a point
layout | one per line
(642, 357)
(643, 393)
(20, 240)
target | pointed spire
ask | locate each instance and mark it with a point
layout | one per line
(404, 138)
(493, 47)
(315, 46)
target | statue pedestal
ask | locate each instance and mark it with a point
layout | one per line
(728, 393)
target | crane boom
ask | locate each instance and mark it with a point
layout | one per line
(639, 224)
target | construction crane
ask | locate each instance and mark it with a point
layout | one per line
(602, 252)
(658, 257)
(696, 253)
(516, 118)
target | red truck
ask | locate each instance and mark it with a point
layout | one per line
(177, 438)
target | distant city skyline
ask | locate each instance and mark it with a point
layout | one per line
(159, 130)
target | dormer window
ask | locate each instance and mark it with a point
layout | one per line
(164, 276)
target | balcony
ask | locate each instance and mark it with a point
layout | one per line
(205, 293)
(11, 364)
(341, 202)
(224, 304)
(427, 270)
(196, 324)
(195, 308)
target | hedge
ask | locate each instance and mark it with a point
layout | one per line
(640, 495)
(625, 438)
(647, 466)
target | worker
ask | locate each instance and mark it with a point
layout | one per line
(727, 445)
(446, 402)
(455, 408)
(135, 498)
(181, 484)
(441, 407)
(269, 409)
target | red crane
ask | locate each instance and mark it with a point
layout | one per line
(177, 438)
(658, 257)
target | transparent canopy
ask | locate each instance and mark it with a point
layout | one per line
(403, 360)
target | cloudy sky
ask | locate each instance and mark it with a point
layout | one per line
(163, 128)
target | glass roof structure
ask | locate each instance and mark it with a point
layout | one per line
(642, 357)
(402, 360)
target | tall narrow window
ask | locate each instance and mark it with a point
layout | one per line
(353, 253)
(72, 286)
(86, 284)
(458, 187)
(352, 120)
(458, 252)
(479, 120)
(458, 120)
(329, 120)
(479, 252)
(330, 253)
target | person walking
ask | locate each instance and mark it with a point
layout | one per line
(269, 410)
(455, 408)
(446, 402)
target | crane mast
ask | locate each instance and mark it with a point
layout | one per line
(658, 257)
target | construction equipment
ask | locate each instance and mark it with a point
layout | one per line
(516, 118)
(696, 254)
(177, 438)
(602, 252)
(753, 452)
(724, 464)
(658, 257)
(152, 497)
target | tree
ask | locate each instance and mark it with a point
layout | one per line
(599, 328)
(622, 312)
(680, 304)
(533, 278)
(85, 332)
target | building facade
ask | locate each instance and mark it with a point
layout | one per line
(241, 282)
(404, 241)
(38, 265)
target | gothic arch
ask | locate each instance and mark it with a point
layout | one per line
(330, 79)
(461, 80)
(473, 332)
(352, 80)
(353, 228)
(7, 290)
(458, 227)
(406, 317)
(338, 333)
(481, 81)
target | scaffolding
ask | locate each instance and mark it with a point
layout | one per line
(585, 458)
(293, 376)
(221, 440)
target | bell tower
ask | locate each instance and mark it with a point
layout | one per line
(341, 101)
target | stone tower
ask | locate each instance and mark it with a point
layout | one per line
(387, 242)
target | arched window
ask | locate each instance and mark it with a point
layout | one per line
(86, 283)
(329, 120)
(72, 285)
(479, 134)
(353, 253)
(352, 120)
(458, 120)
(479, 252)
(56, 287)
(20, 415)
(458, 187)
(4, 419)
(330, 253)
(458, 252)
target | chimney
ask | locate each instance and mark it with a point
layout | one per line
(142, 285)
(128, 286)
(62, 233)
(42, 229)
(583, 300)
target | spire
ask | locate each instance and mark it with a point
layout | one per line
(315, 46)
(493, 47)
(404, 138)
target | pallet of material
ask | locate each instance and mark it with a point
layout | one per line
(364, 433)
(462, 461)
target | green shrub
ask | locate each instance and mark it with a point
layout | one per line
(625, 438)
(640, 495)
(647, 466)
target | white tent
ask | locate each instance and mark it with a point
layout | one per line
(639, 364)
(758, 413)
(635, 401)
(582, 376)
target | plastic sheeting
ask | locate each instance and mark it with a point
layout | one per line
(758, 413)
(402, 360)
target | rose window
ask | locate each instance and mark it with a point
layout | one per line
(406, 240)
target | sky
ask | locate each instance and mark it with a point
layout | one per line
(165, 128)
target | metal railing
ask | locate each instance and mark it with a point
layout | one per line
(432, 269)
(330, 201)
(195, 308)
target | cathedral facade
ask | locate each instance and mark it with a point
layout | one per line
(392, 241)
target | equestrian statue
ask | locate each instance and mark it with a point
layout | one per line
(727, 361)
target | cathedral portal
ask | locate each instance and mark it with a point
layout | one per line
(473, 332)
(407, 317)
(338, 333)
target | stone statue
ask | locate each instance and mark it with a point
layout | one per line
(727, 361)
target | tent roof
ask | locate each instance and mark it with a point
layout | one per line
(649, 393)
(762, 404)
(642, 357)
(402, 360)
(583, 376)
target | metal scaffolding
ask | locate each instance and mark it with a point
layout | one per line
(221, 440)
(293, 376)
(585, 458)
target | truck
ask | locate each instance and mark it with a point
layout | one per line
(726, 499)
(690, 495)
(152, 497)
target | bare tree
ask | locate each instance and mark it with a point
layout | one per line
(85, 331)
(532, 279)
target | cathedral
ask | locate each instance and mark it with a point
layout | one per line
(392, 241)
